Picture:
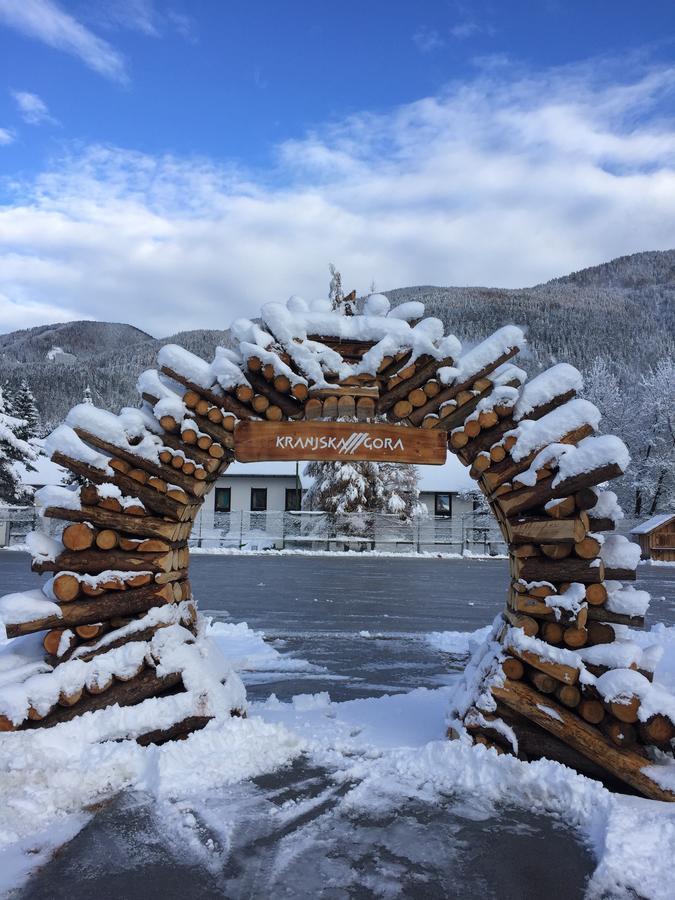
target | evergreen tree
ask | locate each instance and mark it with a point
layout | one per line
(352, 491)
(8, 394)
(12, 450)
(86, 398)
(400, 487)
(335, 292)
(24, 407)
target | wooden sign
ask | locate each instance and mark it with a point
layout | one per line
(257, 441)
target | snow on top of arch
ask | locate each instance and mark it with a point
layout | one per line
(297, 320)
(589, 454)
(64, 440)
(559, 379)
(532, 434)
(126, 430)
(298, 328)
(483, 354)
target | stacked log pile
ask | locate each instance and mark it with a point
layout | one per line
(117, 611)
(560, 676)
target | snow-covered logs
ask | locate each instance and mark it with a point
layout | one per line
(560, 675)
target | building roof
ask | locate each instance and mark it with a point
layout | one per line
(267, 469)
(452, 477)
(651, 524)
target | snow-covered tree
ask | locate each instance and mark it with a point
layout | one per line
(356, 490)
(350, 490)
(641, 409)
(655, 488)
(23, 406)
(12, 450)
(400, 488)
(335, 292)
(86, 397)
(344, 487)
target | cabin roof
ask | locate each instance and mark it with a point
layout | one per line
(652, 524)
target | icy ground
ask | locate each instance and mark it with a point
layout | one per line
(317, 794)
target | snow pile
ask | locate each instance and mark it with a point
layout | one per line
(533, 434)
(618, 552)
(623, 653)
(483, 355)
(458, 643)
(555, 382)
(25, 606)
(571, 601)
(246, 650)
(226, 369)
(588, 455)
(59, 496)
(193, 368)
(42, 547)
(625, 599)
(607, 506)
(126, 431)
(621, 685)
(64, 440)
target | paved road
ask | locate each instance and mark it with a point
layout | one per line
(364, 620)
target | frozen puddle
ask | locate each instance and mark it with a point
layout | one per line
(315, 796)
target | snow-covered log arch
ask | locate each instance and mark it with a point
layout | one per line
(560, 675)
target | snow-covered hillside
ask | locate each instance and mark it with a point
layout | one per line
(598, 311)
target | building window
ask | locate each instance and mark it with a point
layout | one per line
(258, 499)
(223, 500)
(293, 499)
(443, 505)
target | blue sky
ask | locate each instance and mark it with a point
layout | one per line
(204, 157)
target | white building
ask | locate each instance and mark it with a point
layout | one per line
(275, 486)
(258, 505)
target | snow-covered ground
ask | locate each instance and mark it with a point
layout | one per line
(380, 755)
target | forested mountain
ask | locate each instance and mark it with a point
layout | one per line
(624, 309)
(615, 322)
(79, 339)
(60, 361)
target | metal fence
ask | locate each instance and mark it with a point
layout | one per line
(15, 523)
(470, 533)
(354, 531)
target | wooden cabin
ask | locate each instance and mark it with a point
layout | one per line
(656, 537)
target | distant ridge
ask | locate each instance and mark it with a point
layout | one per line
(623, 309)
(637, 270)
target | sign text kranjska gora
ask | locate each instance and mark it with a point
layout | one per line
(345, 446)
(255, 441)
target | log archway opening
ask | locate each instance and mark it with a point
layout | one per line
(559, 676)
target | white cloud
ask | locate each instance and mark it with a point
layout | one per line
(32, 108)
(6, 136)
(142, 16)
(507, 180)
(46, 21)
(427, 39)
(465, 29)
